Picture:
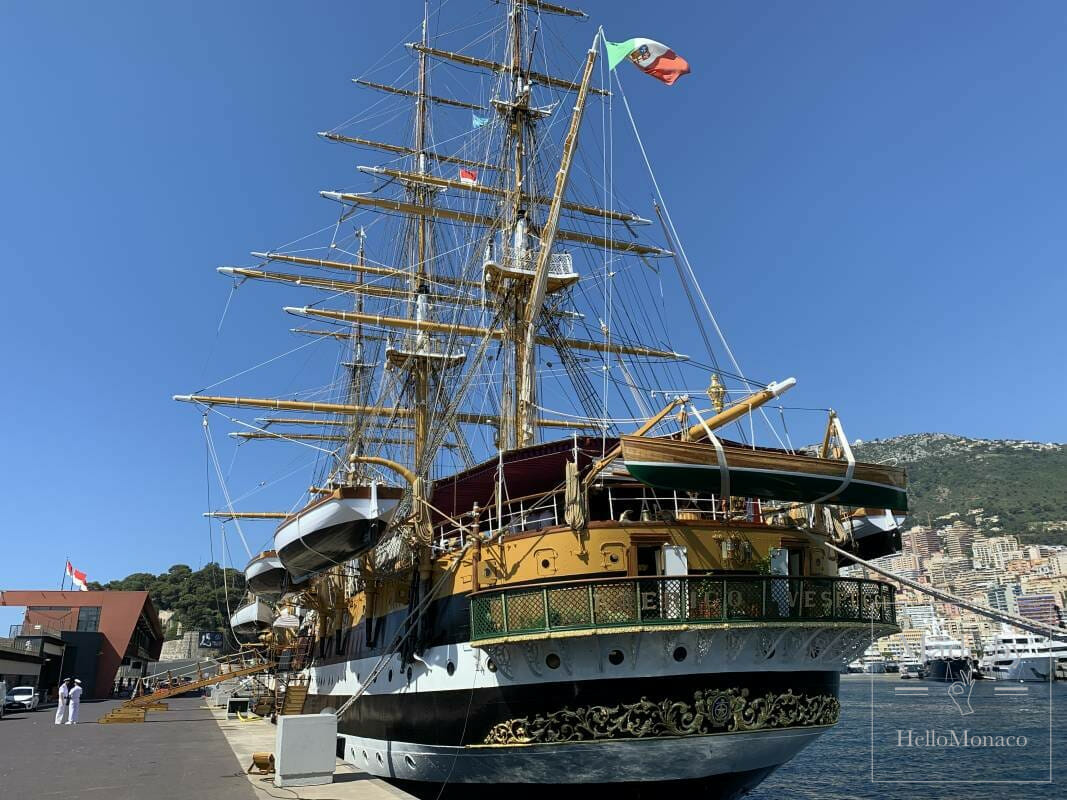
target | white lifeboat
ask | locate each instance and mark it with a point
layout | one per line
(335, 528)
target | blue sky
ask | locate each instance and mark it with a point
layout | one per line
(872, 195)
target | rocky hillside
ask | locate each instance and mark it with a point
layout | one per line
(1005, 485)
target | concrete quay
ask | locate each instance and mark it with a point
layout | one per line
(189, 752)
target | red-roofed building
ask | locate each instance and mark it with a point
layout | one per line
(103, 632)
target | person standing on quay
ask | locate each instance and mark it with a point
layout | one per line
(64, 702)
(75, 701)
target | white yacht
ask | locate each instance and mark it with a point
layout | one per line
(1014, 656)
(944, 658)
(873, 662)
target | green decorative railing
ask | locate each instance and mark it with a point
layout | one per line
(621, 602)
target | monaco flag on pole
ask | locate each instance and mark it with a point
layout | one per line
(77, 577)
(468, 176)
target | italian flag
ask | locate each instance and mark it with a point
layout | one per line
(77, 577)
(650, 57)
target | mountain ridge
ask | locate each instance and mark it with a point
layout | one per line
(1002, 486)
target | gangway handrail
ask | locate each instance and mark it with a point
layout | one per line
(218, 662)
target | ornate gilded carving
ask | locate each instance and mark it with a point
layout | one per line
(735, 643)
(704, 641)
(501, 658)
(532, 651)
(712, 711)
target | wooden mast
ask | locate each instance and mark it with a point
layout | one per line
(530, 320)
(420, 366)
(515, 227)
(357, 386)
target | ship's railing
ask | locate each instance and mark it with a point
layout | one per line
(532, 513)
(622, 602)
(545, 510)
(416, 344)
(18, 647)
(32, 630)
(559, 264)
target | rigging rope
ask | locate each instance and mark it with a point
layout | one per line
(946, 597)
(681, 249)
(222, 483)
(405, 631)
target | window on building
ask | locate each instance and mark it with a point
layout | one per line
(89, 618)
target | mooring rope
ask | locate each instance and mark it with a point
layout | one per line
(1022, 623)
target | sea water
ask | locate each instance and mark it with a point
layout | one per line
(992, 740)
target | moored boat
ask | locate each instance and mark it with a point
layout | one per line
(1024, 657)
(945, 658)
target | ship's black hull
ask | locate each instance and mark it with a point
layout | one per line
(717, 787)
(466, 717)
(947, 669)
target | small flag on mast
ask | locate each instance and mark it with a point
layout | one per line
(477, 122)
(650, 57)
(77, 577)
(468, 177)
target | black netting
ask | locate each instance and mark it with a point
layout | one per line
(526, 610)
(744, 598)
(614, 603)
(568, 607)
(848, 600)
(706, 599)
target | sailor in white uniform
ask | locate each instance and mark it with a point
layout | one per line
(64, 702)
(75, 701)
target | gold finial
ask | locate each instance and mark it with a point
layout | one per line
(717, 392)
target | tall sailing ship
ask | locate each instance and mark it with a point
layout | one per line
(529, 559)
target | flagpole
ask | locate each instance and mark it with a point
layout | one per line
(63, 580)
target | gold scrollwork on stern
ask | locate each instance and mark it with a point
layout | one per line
(712, 711)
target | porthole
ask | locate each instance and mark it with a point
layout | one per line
(450, 668)
(365, 759)
(680, 653)
(545, 563)
(410, 762)
(390, 678)
(379, 757)
(490, 665)
(409, 673)
(613, 558)
(552, 661)
(616, 657)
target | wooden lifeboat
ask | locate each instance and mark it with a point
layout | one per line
(768, 474)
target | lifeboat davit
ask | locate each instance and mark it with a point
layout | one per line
(335, 528)
(250, 620)
(265, 576)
